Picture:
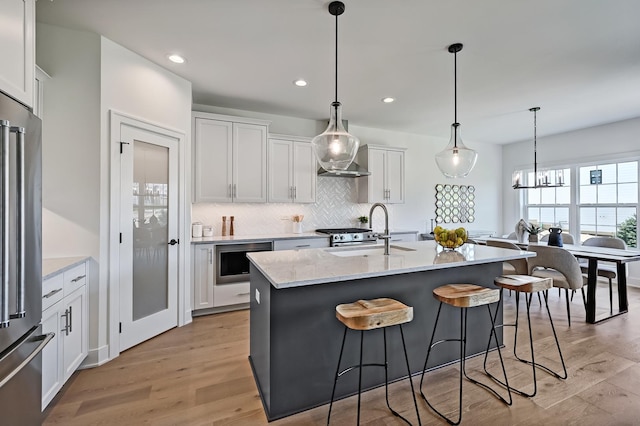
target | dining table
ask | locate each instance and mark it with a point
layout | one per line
(594, 255)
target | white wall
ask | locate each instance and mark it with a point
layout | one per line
(91, 75)
(139, 88)
(71, 150)
(613, 141)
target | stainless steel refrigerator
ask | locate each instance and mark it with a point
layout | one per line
(21, 339)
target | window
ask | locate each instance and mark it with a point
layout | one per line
(549, 207)
(608, 195)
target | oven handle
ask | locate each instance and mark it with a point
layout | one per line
(354, 243)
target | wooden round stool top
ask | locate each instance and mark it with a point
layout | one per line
(524, 283)
(466, 295)
(372, 314)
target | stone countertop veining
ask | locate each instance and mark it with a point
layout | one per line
(295, 268)
(55, 266)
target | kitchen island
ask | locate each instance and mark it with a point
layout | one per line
(295, 337)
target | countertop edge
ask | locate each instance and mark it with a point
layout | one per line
(55, 266)
(279, 284)
(219, 239)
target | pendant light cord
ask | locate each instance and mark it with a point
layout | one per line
(535, 146)
(455, 99)
(336, 59)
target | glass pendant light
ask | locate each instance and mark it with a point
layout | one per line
(335, 148)
(456, 160)
(542, 178)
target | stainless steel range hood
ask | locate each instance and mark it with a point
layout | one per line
(354, 170)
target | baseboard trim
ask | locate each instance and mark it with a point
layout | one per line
(96, 357)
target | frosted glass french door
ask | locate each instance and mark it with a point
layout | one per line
(149, 250)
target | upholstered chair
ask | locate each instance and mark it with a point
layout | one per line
(606, 270)
(559, 265)
(511, 267)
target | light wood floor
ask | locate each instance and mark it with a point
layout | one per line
(199, 375)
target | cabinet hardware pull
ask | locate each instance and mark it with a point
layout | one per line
(235, 194)
(303, 245)
(70, 319)
(243, 294)
(66, 322)
(295, 192)
(229, 191)
(78, 278)
(211, 256)
(51, 293)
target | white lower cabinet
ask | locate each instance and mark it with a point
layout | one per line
(67, 319)
(230, 294)
(203, 275)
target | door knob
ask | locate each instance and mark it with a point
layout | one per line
(173, 242)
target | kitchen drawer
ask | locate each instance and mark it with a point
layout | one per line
(52, 291)
(75, 278)
(300, 243)
(230, 294)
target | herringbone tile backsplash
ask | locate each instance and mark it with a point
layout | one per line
(335, 207)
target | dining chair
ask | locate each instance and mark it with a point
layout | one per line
(559, 265)
(566, 239)
(608, 271)
(514, 266)
(511, 267)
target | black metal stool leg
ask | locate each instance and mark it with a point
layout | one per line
(335, 379)
(360, 374)
(493, 334)
(413, 393)
(431, 345)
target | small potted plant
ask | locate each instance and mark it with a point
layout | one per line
(364, 221)
(533, 231)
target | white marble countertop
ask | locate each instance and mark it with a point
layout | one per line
(295, 268)
(219, 239)
(55, 266)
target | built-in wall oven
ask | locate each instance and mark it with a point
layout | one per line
(232, 263)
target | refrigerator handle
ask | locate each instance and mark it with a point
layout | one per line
(44, 339)
(20, 224)
(5, 126)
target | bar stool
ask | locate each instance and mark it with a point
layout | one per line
(465, 296)
(370, 315)
(528, 285)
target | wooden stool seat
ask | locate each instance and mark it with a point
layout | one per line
(466, 295)
(372, 314)
(523, 283)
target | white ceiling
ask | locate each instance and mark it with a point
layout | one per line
(577, 59)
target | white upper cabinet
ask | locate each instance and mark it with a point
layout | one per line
(229, 159)
(292, 170)
(386, 183)
(17, 39)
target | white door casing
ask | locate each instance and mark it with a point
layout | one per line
(179, 300)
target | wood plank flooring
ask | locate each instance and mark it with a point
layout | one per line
(199, 375)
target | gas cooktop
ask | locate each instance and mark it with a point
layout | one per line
(349, 236)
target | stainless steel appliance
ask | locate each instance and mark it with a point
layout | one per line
(232, 263)
(20, 265)
(349, 236)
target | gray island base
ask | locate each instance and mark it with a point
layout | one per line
(295, 337)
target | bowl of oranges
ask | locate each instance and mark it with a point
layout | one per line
(450, 239)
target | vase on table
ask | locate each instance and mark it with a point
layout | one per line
(533, 238)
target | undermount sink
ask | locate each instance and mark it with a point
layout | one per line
(366, 251)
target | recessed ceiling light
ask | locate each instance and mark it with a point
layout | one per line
(176, 59)
(387, 100)
(300, 82)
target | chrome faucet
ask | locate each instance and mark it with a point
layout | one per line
(386, 237)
